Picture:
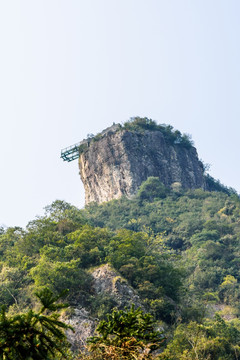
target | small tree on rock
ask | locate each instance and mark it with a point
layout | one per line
(126, 335)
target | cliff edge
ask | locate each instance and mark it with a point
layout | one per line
(117, 161)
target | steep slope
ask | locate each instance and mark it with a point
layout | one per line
(119, 160)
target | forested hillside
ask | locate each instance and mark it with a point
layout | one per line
(178, 249)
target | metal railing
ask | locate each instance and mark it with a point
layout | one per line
(70, 153)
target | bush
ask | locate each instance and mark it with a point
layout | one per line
(151, 189)
(127, 334)
(173, 136)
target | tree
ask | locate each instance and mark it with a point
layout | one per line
(152, 188)
(215, 339)
(127, 334)
(34, 335)
(60, 275)
(229, 289)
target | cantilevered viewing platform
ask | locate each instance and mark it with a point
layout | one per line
(70, 153)
(73, 152)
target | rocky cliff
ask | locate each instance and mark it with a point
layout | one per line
(106, 281)
(117, 161)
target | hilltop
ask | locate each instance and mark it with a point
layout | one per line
(119, 159)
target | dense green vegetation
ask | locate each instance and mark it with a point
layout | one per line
(178, 249)
(125, 335)
(34, 335)
(172, 136)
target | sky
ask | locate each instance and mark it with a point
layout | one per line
(69, 68)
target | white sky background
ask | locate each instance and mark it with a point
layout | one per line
(73, 67)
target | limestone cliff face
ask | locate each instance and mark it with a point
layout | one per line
(120, 160)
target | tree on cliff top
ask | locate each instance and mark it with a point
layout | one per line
(170, 135)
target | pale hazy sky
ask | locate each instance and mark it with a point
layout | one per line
(73, 67)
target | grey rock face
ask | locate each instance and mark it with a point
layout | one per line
(84, 327)
(121, 160)
(107, 281)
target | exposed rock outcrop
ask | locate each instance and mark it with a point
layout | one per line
(83, 325)
(106, 281)
(117, 162)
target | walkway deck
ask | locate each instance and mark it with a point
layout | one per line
(70, 153)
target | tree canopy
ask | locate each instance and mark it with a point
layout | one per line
(177, 248)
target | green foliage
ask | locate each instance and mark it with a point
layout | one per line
(125, 335)
(128, 252)
(34, 335)
(199, 233)
(178, 249)
(229, 290)
(152, 189)
(214, 340)
(89, 244)
(216, 185)
(59, 275)
(82, 148)
(12, 281)
(102, 304)
(140, 123)
(173, 136)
